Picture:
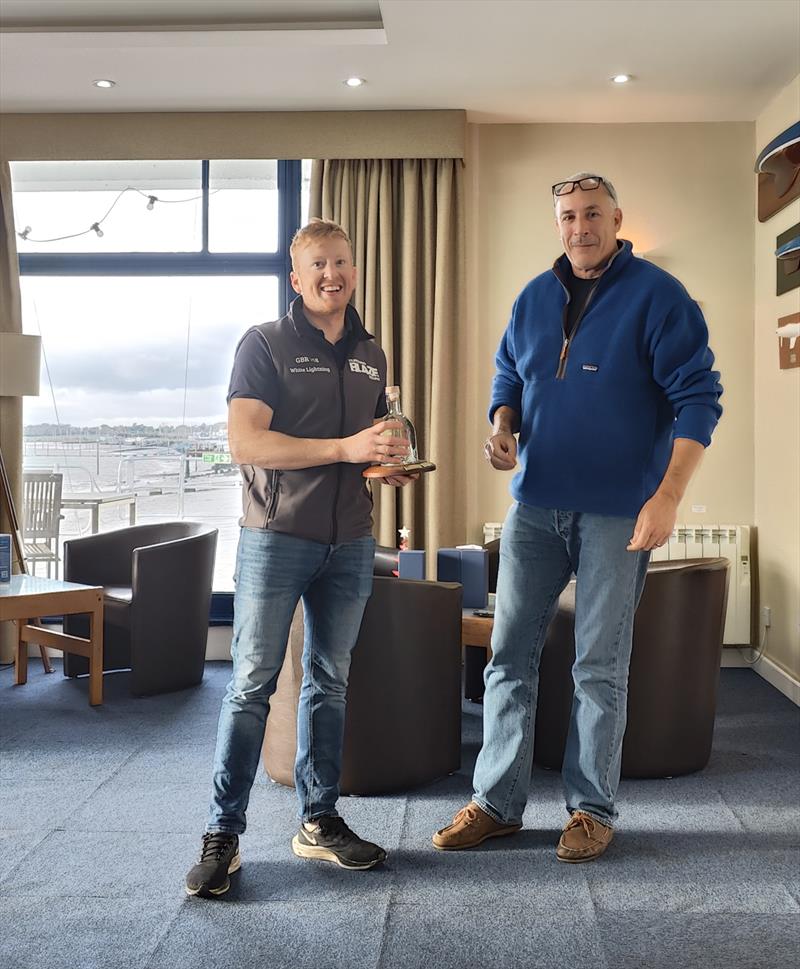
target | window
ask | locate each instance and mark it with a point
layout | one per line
(133, 203)
(169, 262)
(243, 206)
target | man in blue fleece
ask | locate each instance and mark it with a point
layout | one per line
(605, 373)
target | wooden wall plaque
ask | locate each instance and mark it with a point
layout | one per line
(789, 348)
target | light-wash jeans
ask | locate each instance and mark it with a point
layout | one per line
(540, 549)
(273, 571)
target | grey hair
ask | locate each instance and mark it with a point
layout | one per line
(606, 184)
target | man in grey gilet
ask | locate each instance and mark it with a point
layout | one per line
(304, 404)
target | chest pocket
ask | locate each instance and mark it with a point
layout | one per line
(309, 397)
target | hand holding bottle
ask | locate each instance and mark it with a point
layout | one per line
(399, 480)
(374, 446)
(396, 431)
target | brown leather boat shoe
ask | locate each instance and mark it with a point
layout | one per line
(584, 838)
(471, 826)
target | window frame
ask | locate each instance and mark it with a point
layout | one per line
(201, 263)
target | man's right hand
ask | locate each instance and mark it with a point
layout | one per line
(374, 446)
(500, 450)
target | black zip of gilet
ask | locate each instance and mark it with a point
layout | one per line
(275, 478)
(339, 465)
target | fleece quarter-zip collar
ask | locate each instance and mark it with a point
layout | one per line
(623, 255)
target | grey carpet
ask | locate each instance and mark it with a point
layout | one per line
(101, 812)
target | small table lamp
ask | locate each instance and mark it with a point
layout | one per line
(20, 360)
(20, 357)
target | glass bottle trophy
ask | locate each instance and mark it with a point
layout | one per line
(412, 464)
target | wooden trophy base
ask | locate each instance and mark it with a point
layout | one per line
(387, 470)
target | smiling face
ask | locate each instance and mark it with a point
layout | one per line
(324, 275)
(588, 223)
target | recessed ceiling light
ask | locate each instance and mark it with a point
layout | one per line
(622, 78)
(354, 81)
(104, 82)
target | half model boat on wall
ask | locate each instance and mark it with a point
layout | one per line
(778, 168)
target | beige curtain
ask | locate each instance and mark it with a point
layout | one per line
(10, 407)
(406, 220)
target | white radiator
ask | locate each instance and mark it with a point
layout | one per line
(712, 541)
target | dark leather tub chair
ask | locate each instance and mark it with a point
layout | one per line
(157, 582)
(403, 724)
(674, 672)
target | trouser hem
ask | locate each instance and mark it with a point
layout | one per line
(219, 829)
(607, 822)
(308, 819)
(493, 814)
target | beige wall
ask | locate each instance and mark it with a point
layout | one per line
(687, 192)
(777, 420)
(687, 195)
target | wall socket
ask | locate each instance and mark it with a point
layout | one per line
(766, 617)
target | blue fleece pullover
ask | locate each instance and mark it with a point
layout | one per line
(599, 410)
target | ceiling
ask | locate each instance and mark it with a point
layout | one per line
(501, 60)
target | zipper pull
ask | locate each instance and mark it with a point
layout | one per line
(564, 348)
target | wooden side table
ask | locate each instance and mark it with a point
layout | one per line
(476, 642)
(28, 596)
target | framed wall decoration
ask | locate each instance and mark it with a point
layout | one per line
(789, 341)
(787, 260)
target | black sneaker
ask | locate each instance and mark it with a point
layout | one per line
(329, 839)
(219, 857)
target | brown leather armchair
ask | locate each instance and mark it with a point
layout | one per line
(674, 672)
(403, 721)
(157, 591)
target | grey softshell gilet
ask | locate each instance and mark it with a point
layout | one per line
(331, 503)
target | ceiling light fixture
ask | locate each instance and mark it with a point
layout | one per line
(354, 81)
(104, 82)
(622, 78)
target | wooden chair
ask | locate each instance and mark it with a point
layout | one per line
(41, 518)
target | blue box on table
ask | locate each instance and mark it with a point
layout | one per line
(5, 558)
(411, 564)
(468, 565)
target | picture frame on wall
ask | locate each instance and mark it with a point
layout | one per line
(787, 260)
(789, 341)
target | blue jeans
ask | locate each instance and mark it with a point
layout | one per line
(540, 548)
(273, 571)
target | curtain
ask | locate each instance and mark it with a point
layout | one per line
(406, 220)
(10, 407)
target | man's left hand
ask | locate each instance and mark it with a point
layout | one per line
(654, 524)
(399, 480)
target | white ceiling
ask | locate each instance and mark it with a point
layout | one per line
(501, 60)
